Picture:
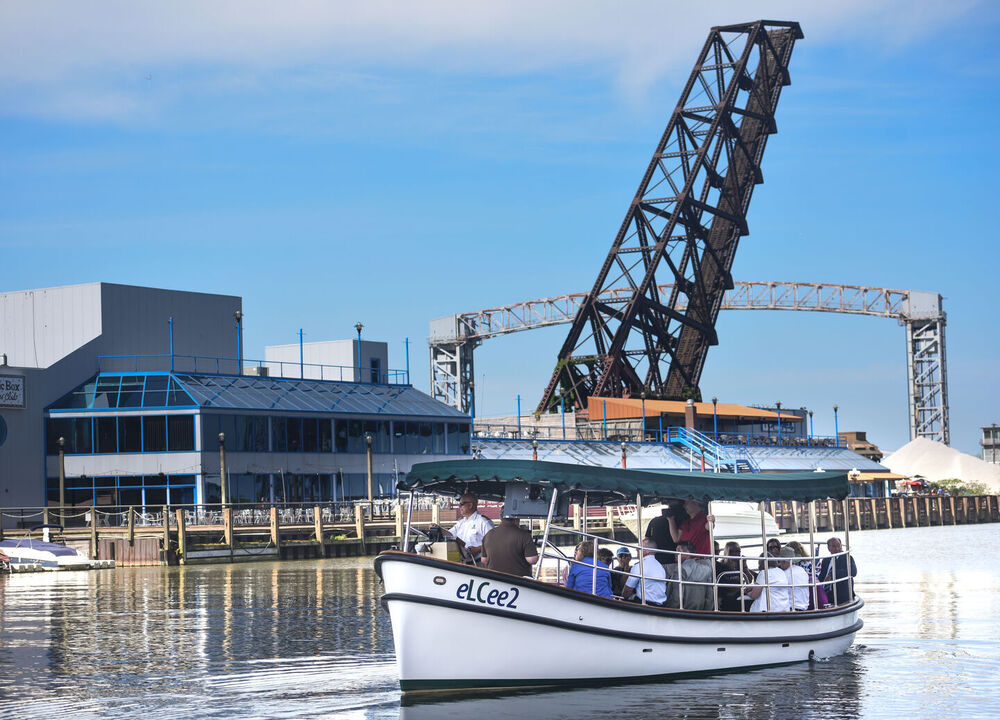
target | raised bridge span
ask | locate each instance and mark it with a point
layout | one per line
(453, 338)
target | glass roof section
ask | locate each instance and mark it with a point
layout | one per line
(290, 395)
(107, 392)
(162, 390)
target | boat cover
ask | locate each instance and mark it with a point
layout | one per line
(611, 485)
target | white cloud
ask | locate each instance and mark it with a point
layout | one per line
(91, 57)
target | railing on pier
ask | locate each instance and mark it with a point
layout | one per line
(619, 431)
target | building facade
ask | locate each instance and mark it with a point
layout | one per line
(991, 444)
(135, 395)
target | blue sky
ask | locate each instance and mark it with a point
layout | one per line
(395, 163)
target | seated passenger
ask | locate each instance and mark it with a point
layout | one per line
(693, 570)
(771, 593)
(796, 577)
(620, 571)
(581, 573)
(654, 588)
(833, 570)
(509, 548)
(733, 579)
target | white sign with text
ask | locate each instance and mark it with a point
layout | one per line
(11, 391)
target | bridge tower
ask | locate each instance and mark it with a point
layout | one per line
(685, 221)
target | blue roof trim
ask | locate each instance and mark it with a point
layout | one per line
(265, 394)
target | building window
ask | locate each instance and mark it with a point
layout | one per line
(154, 433)
(130, 434)
(180, 432)
(375, 375)
(279, 434)
(107, 434)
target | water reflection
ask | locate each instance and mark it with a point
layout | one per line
(828, 690)
(309, 639)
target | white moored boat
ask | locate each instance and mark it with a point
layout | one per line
(25, 552)
(463, 626)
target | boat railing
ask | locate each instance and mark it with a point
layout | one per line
(810, 564)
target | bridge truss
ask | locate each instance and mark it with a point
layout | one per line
(684, 223)
(455, 337)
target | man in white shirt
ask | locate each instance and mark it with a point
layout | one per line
(471, 528)
(654, 588)
(771, 582)
(797, 578)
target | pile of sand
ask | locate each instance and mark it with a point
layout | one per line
(936, 461)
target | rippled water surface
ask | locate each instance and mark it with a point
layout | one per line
(308, 639)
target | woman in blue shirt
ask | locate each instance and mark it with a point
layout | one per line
(581, 573)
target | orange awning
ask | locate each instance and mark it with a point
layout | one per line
(623, 408)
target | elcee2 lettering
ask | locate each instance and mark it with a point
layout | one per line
(486, 595)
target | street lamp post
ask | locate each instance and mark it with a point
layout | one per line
(778, 405)
(222, 469)
(562, 413)
(238, 317)
(62, 477)
(836, 428)
(368, 449)
(715, 419)
(358, 326)
(643, 438)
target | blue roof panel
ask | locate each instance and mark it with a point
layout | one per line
(318, 396)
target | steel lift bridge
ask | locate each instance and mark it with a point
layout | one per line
(646, 325)
(455, 337)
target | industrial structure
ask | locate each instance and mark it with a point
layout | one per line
(685, 223)
(632, 335)
(455, 337)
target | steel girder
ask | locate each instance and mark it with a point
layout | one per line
(927, 379)
(685, 221)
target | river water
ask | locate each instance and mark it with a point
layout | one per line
(308, 639)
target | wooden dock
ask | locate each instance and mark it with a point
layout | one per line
(232, 535)
(887, 513)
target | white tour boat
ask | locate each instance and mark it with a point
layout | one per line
(464, 626)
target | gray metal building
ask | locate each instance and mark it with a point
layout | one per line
(140, 383)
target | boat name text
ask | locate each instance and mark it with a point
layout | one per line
(500, 598)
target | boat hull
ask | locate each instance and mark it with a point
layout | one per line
(456, 626)
(50, 556)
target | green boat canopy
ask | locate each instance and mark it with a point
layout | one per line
(609, 486)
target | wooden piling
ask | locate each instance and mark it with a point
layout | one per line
(857, 511)
(275, 530)
(951, 502)
(181, 537)
(93, 533)
(576, 518)
(131, 526)
(166, 535)
(435, 514)
(318, 526)
(227, 526)
(398, 512)
(359, 525)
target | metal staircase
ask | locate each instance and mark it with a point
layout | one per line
(702, 451)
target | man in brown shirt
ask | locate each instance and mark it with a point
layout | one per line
(509, 548)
